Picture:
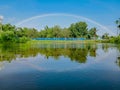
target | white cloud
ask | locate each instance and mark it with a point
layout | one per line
(1, 18)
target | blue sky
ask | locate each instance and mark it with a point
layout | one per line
(103, 11)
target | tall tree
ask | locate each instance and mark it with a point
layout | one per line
(105, 36)
(56, 31)
(93, 32)
(118, 26)
(78, 29)
(65, 33)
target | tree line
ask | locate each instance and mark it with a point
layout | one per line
(75, 30)
(113, 39)
(12, 33)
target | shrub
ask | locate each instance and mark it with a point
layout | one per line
(115, 40)
(23, 39)
(7, 36)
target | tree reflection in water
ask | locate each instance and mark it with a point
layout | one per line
(118, 56)
(75, 52)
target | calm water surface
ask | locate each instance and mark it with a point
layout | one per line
(60, 67)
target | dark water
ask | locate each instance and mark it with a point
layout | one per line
(60, 67)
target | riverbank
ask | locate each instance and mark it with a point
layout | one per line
(61, 41)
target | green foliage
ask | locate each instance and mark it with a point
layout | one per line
(115, 39)
(27, 32)
(7, 36)
(78, 29)
(8, 27)
(118, 23)
(56, 31)
(10, 51)
(21, 35)
(23, 39)
(105, 36)
(92, 32)
(75, 30)
(118, 26)
(65, 33)
(10, 33)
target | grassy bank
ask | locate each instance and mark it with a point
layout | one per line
(60, 41)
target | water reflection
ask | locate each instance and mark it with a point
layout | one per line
(1, 66)
(68, 66)
(118, 56)
(75, 52)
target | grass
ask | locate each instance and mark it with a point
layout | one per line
(60, 41)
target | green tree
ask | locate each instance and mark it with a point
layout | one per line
(56, 31)
(105, 36)
(7, 36)
(65, 33)
(93, 32)
(118, 25)
(8, 27)
(20, 32)
(78, 29)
